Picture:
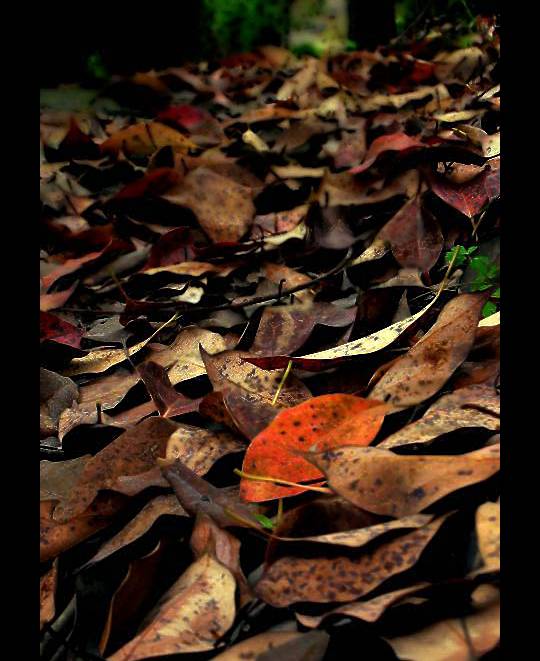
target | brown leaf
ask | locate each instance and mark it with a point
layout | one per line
(369, 610)
(56, 300)
(395, 485)
(47, 588)
(168, 402)
(307, 647)
(190, 617)
(425, 368)
(284, 329)
(56, 537)
(223, 207)
(199, 449)
(56, 393)
(455, 639)
(145, 138)
(488, 535)
(469, 198)
(207, 537)
(198, 495)
(414, 236)
(342, 578)
(57, 478)
(474, 406)
(256, 645)
(140, 524)
(133, 452)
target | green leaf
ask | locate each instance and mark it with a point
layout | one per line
(461, 255)
(265, 521)
(489, 309)
(496, 293)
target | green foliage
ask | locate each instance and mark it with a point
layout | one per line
(462, 254)
(241, 25)
(265, 521)
(486, 273)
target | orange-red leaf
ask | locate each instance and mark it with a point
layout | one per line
(321, 423)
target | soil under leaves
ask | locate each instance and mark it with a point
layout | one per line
(269, 386)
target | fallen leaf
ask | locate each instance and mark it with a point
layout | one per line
(140, 524)
(223, 207)
(256, 645)
(190, 617)
(47, 588)
(145, 138)
(471, 197)
(396, 485)
(342, 578)
(414, 236)
(488, 535)
(319, 424)
(454, 639)
(425, 368)
(133, 452)
(56, 393)
(369, 610)
(473, 406)
(54, 329)
(391, 142)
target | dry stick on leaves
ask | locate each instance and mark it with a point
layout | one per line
(255, 300)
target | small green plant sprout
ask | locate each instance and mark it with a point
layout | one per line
(265, 521)
(486, 273)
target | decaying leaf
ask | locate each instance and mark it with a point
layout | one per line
(456, 639)
(400, 485)
(253, 647)
(319, 424)
(47, 588)
(473, 406)
(190, 617)
(429, 364)
(342, 578)
(488, 534)
(166, 505)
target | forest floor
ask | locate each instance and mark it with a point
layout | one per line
(270, 359)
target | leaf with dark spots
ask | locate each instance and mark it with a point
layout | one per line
(57, 537)
(321, 423)
(414, 236)
(474, 406)
(144, 139)
(133, 452)
(331, 357)
(248, 392)
(284, 329)
(207, 537)
(488, 536)
(223, 207)
(369, 610)
(396, 485)
(471, 197)
(425, 368)
(194, 613)
(198, 495)
(321, 580)
(254, 646)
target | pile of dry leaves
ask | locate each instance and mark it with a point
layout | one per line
(269, 383)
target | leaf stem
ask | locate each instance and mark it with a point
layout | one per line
(276, 480)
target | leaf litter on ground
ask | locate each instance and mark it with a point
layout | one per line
(267, 378)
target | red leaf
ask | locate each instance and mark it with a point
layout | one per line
(171, 248)
(392, 142)
(187, 117)
(321, 423)
(415, 237)
(57, 330)
(469, 198)
(156, 182)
